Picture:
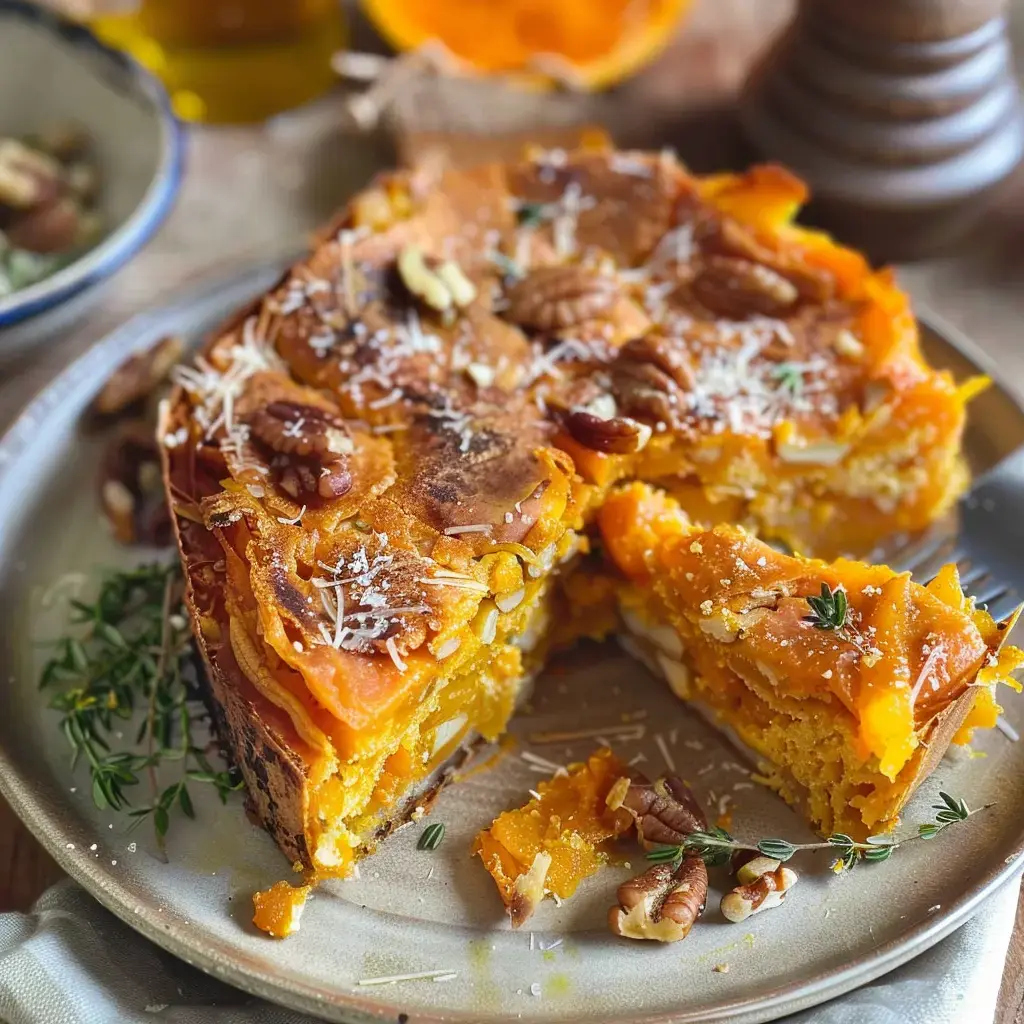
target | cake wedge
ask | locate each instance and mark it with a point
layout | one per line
(847, 680)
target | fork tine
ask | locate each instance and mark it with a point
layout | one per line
(991, 591)
(975, 575)
(919, 553)
(1002, 607)
(928, 570)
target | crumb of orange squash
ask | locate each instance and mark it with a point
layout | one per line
(278, 909)
(548, 846)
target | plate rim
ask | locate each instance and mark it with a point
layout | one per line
(83, 375)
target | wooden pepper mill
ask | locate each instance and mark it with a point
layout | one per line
(905, 117)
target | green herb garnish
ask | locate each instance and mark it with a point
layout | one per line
(132, 652)
(829, 610)
(529, 215)
(790, 377)
(432, 836)
(717, 846)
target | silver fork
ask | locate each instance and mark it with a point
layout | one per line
(984, 536)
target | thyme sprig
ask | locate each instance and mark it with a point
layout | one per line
(131, 650)
(716, 846)
(829, 610)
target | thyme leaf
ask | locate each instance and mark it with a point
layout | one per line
(829, 610)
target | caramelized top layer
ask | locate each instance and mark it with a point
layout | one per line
(398, 429)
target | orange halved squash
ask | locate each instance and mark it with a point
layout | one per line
(592, 43)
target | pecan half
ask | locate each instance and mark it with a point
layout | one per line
(650, 376)
(138, 377)
(739, 288)
(293, 428)
(312, 445)
(665, 811)
(131, 490)
(618, 435)
(556, 298)
(729, 238)
(663, 354)
(662, 904)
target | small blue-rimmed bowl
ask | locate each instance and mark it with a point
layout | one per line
(54, 70)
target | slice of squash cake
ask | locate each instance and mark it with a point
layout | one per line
(849, 680)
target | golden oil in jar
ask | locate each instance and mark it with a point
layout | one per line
(231, 60)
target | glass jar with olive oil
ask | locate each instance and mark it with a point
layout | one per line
(229, 60)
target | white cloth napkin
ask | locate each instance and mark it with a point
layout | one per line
(71, 962)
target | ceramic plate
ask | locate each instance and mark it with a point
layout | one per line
(413, 911)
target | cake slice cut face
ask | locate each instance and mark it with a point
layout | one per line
(379, 469)
(848, 680)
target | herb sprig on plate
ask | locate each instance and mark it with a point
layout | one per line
(717, 846)
(129, 653)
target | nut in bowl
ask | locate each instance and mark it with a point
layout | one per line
(72, 215)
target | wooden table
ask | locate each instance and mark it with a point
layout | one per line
(252, 193)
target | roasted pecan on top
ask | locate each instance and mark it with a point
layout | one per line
(311, 445)
(557, 298)
(598, 426)
(650, 377)
(727, 237)
(739, 288)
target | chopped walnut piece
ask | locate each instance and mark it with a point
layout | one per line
(557, 298)
(665, 811)
(662, 904)
(28, 177)
(138, 377)
(439, 284)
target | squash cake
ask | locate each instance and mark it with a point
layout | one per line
(385, 473)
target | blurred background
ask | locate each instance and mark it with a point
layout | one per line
(291, 105)
(905, 112)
